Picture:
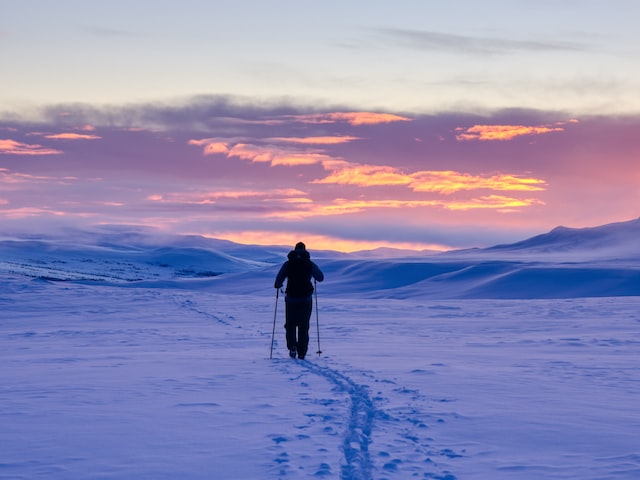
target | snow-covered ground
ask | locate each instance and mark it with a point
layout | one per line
(169, 376)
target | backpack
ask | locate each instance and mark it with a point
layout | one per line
(299, 274)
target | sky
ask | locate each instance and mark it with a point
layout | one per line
(348, 125)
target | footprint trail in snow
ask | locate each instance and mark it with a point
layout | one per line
(364, 424)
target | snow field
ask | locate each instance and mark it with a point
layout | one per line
(116, 383)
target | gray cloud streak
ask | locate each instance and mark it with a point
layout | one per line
(445, 42)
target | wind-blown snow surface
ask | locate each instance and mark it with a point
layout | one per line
(169, 376)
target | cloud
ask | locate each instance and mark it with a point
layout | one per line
(437, 181)
(314, 140)
(30, 212)
(343, 206)
(13, 147)
(326, 118)
(209, 112)
(208, 198)
(36, 185)
(364, 175)
(352, 118)
(429, 40)
(211, 146)
(273, 154)
(187, 166)
(502, 132)
(8, 177)
(495, 202)
(72, 136)
(448, 182)
(215, 148)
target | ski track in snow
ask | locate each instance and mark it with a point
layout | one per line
(357, 437)
(404, 426)
(368, 424)
(192, 306)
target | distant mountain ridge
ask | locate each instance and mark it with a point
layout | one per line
(563, 263)
(604, 236)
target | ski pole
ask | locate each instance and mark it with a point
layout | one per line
(273, 332)
(315, 284)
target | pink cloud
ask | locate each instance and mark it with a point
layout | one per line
(352, 118)
(12, 147)
(207, 198)
(30, 212)
(72, 136)
(275, 155)
(314, 140)
(8, 177)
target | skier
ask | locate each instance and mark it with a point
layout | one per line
(298, 269)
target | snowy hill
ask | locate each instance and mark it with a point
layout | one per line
(128, 356)
(613, 241)
(564, 263)
(125, 256)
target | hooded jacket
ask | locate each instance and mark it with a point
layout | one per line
(298, 270)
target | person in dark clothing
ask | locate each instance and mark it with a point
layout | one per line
(298, 270)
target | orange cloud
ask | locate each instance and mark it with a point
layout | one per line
(220, 145)
(72, 136)
(365, 176)
(502, 132)
(445, 181)
(343, 206)
(12, 147)
(448, 182)
(496, 202)
(215, 148)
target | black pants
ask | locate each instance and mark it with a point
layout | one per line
(298, 313)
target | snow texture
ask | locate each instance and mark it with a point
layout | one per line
(125, 356)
